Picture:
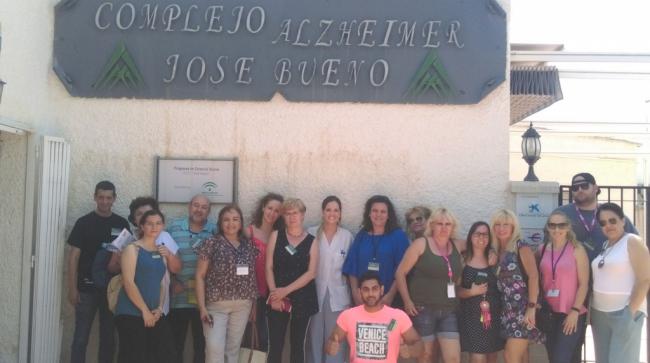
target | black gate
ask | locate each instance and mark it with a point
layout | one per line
(635, 204)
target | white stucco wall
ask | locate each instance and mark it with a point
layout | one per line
(451, 155)
(13, 157)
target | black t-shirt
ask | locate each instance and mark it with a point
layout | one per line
(88, 234)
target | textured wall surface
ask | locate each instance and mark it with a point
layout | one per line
(455, 156)
(13, 157)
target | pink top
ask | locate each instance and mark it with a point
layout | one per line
(260, 264)
(374, 337)
(566, 279)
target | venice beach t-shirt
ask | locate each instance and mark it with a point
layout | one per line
(374, 337)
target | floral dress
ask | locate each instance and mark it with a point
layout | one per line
(514, 298)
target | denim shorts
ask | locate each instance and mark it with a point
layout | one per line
(432, 324)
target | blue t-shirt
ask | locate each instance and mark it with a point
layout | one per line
(387, 250)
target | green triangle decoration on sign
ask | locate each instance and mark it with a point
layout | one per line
(120, 68)
(430, 76)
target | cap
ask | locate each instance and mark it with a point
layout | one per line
(586, 176)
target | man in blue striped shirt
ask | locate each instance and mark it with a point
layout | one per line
(188, 232)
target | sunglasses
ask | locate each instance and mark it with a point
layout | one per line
(611, 221)
(418, 219)
(562, 225)
(480, 235)
(583, 186)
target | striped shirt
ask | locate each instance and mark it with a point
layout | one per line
(186, 239)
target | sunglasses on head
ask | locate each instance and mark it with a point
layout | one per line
(418, 219)
(562, 225)
(611, 221)
(583, 186)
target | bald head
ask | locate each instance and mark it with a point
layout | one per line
(199, 209)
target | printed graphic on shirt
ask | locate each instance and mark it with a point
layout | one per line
(372, 341)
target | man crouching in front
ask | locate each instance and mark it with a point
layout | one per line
(375, 332)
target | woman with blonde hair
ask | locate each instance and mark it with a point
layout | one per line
(564, 266)
(291, 266)
(434, 264)
(517, 280)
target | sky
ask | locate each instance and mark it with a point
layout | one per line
(621, 26)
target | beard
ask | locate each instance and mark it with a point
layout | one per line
(371, 301)
(584, 199)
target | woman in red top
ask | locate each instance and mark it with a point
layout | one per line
(265, 220)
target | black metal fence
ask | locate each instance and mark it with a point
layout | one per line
(635, 204)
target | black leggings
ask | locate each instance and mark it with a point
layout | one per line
(278, 322)
(139, 344)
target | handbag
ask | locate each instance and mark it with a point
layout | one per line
(252, 354)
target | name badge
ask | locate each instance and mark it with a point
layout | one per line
(155, 255)
(292, 250)
(115, 232)
(553, 293)
(451, 291)
(373, 266)
(242, 270)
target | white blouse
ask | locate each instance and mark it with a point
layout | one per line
(329, 276)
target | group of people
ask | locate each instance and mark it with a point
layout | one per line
(423, 292)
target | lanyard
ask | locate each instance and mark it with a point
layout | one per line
(554, 264)
(590, 227)
(446, 258)
(238, 252)
(375, 245)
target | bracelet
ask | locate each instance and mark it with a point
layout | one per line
(575, 309)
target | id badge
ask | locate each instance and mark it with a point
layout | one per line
(292, 250)
(242, 270)
(115, 232)
(155, 255)
(451, 290)
(373, 266)
(553, 293)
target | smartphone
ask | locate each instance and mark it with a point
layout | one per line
(481, 278)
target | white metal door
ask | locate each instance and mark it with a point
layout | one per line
(52, 168)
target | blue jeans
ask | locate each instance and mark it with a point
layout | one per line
(89, 304)
(559, 346)
(432, 324)
(617, 335)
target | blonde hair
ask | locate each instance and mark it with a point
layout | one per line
(293, 203)
(437, 215)
(570, 235)
(507, 216)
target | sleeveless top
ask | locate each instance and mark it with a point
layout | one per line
(149, 271)
(260, 264)
(429, 278)
(614, 281)
(566, 278)
(288, 268)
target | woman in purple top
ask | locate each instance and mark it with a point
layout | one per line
(564, 266)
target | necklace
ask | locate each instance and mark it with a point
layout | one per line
(606, 250)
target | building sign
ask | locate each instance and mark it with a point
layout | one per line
(413, 51)
(178, 180)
